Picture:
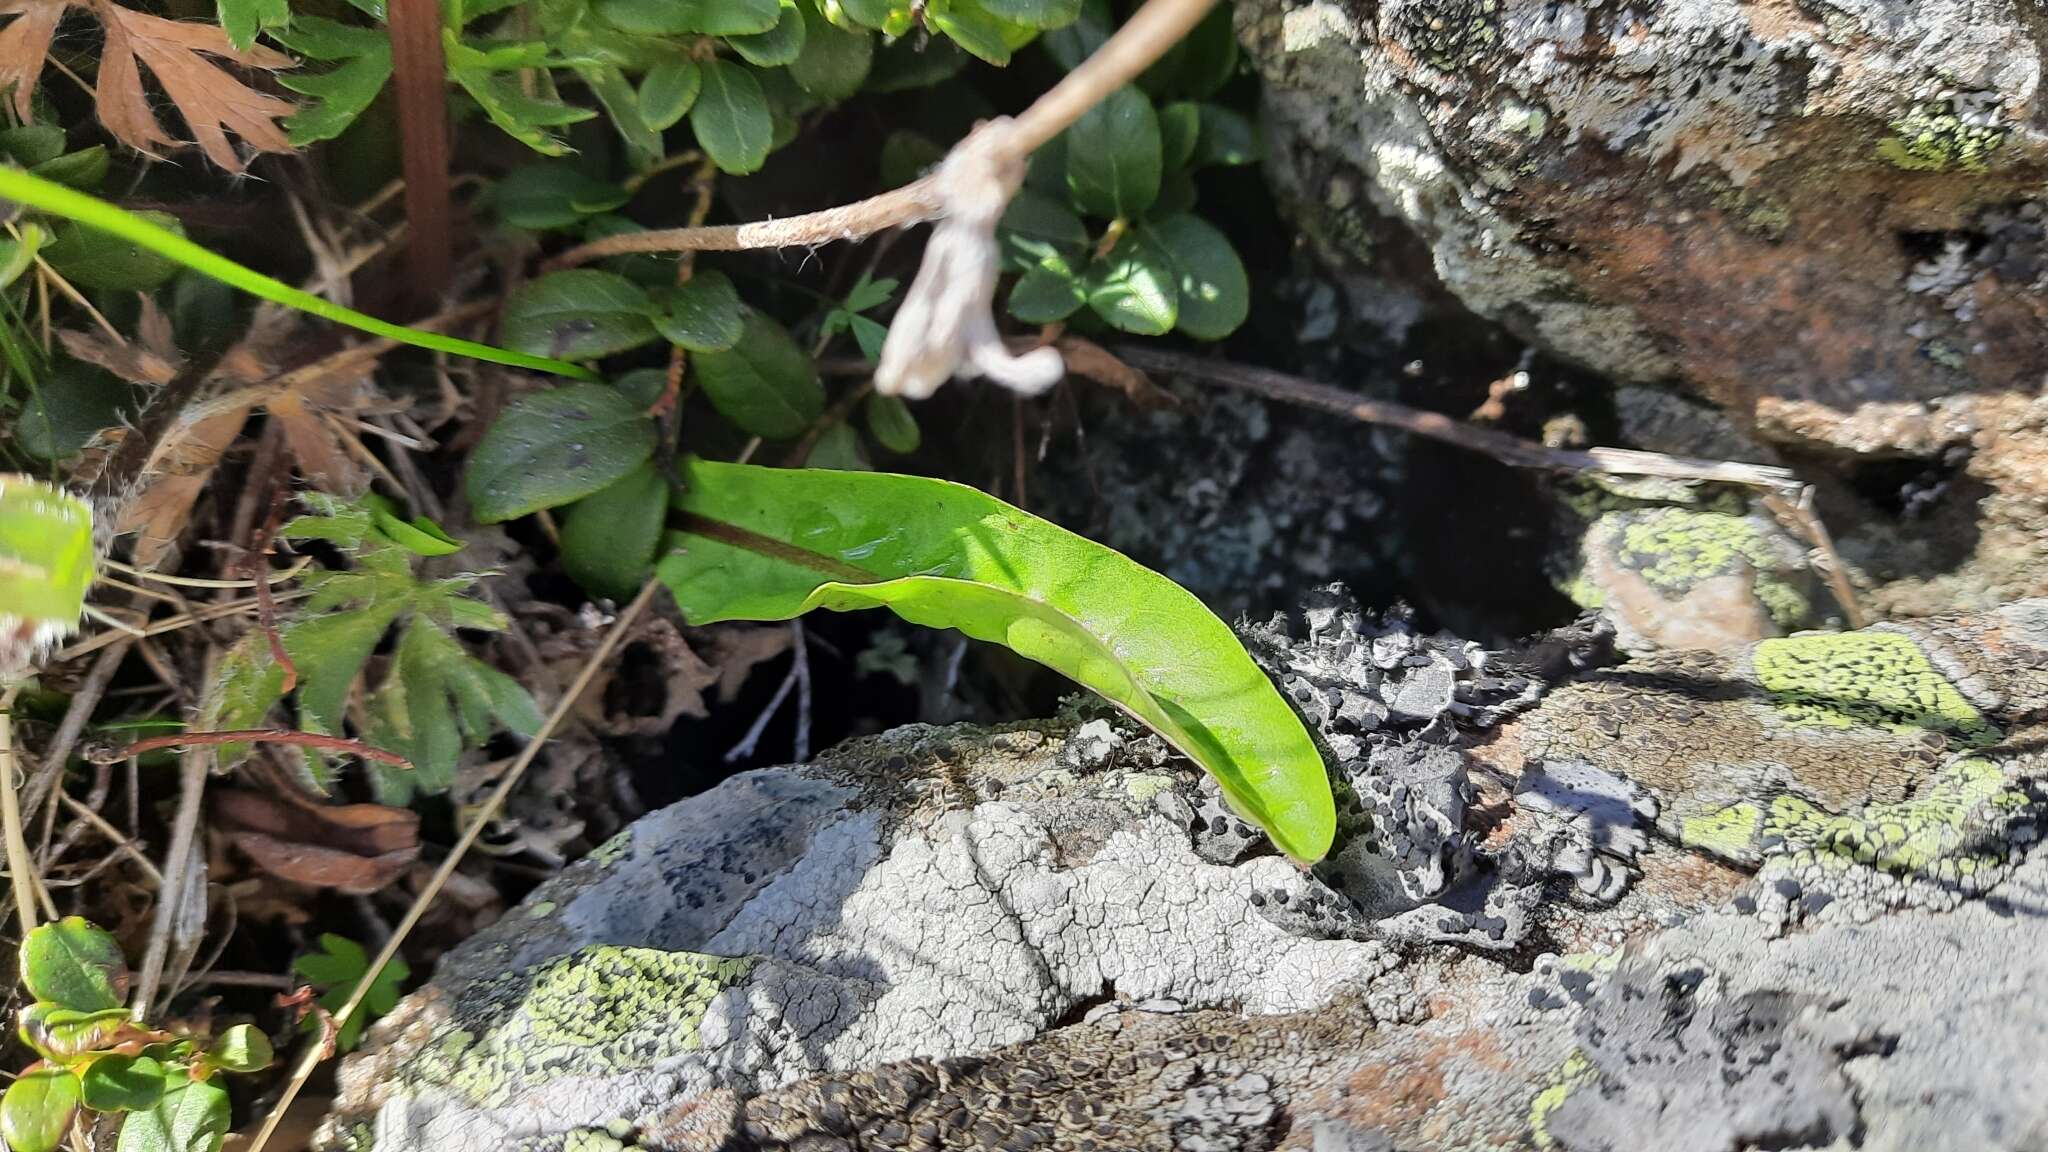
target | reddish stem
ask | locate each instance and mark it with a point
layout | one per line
(262, 736)
(420, 81)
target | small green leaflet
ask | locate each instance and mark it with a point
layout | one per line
(552, 447)
(834, 61)
(37, 1110)
(667, 91)
(609, 537)
(74, 964)
(191, 1116)
(765, 383)
(1135, 286)
(91, 258)
(869, 334)
(119, 1083)
(1214, 296)
(731, 118)
(340, 94)
(891, 423)
(769, 544)
(242, 19)
(689, 17)
(839, 448)
(435, 701)
(336, 970)
(490, 76)
(779, 45)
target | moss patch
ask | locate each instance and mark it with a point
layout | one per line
(1935, 136)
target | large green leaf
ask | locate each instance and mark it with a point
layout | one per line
(731, 117)
(770, 544)
(765, 383)
(580, 314)
(191, 1116)
(74, 964)
(1114, 156)
(554, 447)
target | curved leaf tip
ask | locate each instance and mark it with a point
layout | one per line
(769, 544)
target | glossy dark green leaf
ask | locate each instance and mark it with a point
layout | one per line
(580, 314)
(685, 17)
(838, 448)
(240, 1048)
(1213, 292)
(553, 447)
(1228, 137)
(74, 964)
(1180, 126)
(1203, 61)
(703, 313)
(1047, 294)
(609, 536)
(667, 92)
(891, 423)
(85, 168)
(122, 1083)
(554, 195)
(191, 1116)
(621, 104)
(731, 118)
(779, 45)
(1038, 229)
(1176, 195)
(765, 383)
(835, 61)
(771, 544)
(1113, 156)
(32, 144)
(91, 258)
(37, 1110)
(1075, 42)
(1135, 286)
(787, 104)
(340, 94)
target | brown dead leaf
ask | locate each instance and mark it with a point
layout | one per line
(303, 402)
(25, 45)
(211, 99)
(350, 847)
(151, 358)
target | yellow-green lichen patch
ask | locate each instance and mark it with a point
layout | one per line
(1938, 136)
(613, 850)
(1674, 549)
(1574, 1072)
(599, 1011)
(1730, 833)
(1142, 787)
(1865, 678)
(1948, 833)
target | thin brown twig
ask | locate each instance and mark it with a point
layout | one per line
(340, 744)
(76, 715)
(1144, 38)
(256, 565)
(703, 183)
(621, 627)
(1797, 513)
(1502, 446)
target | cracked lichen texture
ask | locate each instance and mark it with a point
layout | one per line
(868, 909)
(1859, 770)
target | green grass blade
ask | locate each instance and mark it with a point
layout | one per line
(44, 196)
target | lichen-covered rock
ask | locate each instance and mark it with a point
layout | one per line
(1670, 566)
(1827, 219)
(1007, 939)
